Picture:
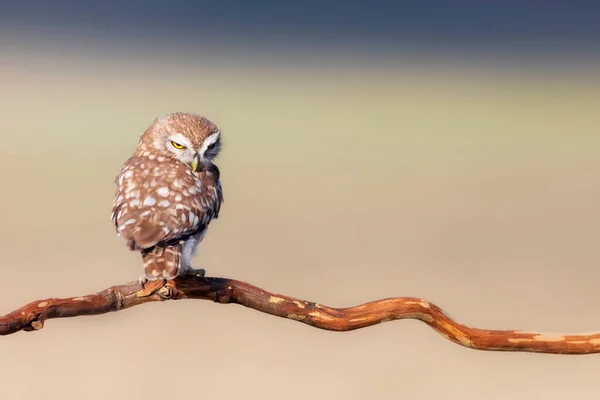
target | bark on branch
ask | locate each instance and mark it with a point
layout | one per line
(220, 290)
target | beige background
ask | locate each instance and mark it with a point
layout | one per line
(476, 188)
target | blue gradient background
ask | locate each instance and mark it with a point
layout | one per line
(371, 149)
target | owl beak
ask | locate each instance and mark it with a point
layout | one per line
(195, 162)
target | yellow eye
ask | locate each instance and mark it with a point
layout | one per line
(177, 145)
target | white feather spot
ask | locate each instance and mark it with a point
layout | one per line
(178, 197)
(178, 183)
(149, 201)
(160, 159)
(147, 212)
(163, 191)
(183, 218)
(153, 183)
(151, 156)
(134, 203)
(164, 203)
(192, 190)
(128, 222)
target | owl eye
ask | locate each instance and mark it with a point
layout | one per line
(211, 146)
(177, 145)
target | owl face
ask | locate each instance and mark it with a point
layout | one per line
(187, 138)
(179, 147)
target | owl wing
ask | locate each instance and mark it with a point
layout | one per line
(212, 197)
(163, 202)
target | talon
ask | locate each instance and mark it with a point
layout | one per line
(146, 290)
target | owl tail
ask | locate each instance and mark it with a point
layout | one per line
(162, 262)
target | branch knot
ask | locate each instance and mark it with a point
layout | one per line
(167, 292)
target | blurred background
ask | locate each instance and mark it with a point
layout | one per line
(371, 149)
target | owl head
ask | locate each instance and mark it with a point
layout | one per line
(188, 138)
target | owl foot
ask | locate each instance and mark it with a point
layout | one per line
(142, 280)
(199, 273)
(150, 289)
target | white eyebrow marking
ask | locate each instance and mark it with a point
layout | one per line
(208, 141)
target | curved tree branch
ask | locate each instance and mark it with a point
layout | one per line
(32, 316)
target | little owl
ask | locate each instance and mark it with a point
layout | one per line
(168, 192)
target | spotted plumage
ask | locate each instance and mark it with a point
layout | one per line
(168, 192)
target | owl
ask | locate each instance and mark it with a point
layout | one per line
(168, 192)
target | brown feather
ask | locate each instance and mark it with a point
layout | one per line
(162, 262)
